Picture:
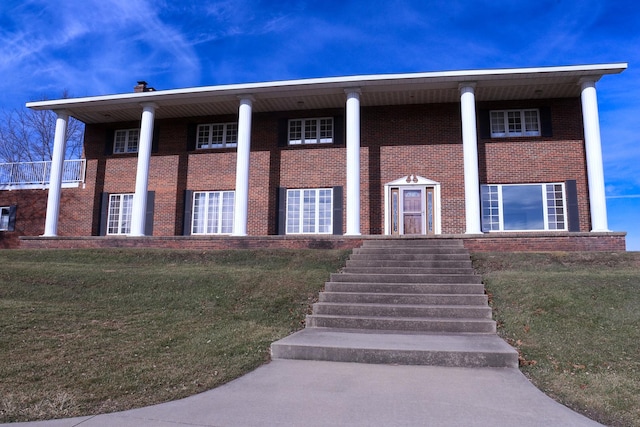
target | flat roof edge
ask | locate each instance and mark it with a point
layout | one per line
(342, 81)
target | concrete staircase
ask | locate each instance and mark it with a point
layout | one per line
(402, 301)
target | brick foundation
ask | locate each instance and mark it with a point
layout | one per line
(516, 242)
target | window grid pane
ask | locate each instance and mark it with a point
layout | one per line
(231, 135)
(132, 143)
(119, 214)
(523, 207)
(4, 218)
(505, 123)
(309, 211)
(311, 131)
(217, 135)
(212, 212)
(204, 133)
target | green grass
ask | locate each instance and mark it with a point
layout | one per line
(575, 319)
(91, 331)
(94, 331)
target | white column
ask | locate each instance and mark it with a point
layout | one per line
(593, 148)
(240, 212)
(139, 207)
(353, 162)
(55, 178)
(470, 152)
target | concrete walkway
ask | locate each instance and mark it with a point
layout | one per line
(317, 393)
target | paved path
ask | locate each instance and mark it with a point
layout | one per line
(312, 393)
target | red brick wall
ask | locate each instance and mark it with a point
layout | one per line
(395, 141)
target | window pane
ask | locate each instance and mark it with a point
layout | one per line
(326, 130)
(199, 213)
(490, 208)
(203, 136)
(4, 218)
(325, 207)
(309, 212)
(213, 206)
(531, 122)
(497, 122)
(232, 134)
(293, 211)
(213, 212)
(522, 207)
(295, 131)
(228, 198)
(514, 120)
(120, 141)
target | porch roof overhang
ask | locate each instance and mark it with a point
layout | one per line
(382, 89)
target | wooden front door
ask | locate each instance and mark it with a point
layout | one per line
(412, 212)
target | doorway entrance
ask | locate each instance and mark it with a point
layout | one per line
(412, 206)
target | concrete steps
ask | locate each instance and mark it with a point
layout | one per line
(407, 301)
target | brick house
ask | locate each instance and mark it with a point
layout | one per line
(476, 153)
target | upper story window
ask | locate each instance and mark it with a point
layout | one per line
(505, 123)
(126, 141)
(311, 131)
(217, 135)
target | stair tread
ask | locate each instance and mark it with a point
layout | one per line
(403, 318)
(410, 341)
(374, 304)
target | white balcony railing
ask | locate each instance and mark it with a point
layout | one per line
(36, 174)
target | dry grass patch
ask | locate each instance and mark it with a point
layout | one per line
(96, 331)
(575, 319)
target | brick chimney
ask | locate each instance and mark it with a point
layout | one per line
(142, 87)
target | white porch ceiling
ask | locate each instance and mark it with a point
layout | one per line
(376, 90)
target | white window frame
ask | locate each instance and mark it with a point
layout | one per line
(130, 143)
(5, 212)
(310, 131)
(211, 212)
(119, 216)
(312, 217)
(504, 116)
(555, 216)
(205, 135)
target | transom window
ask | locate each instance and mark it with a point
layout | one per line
(213, 212)
(311, 131)
(309, 211)
(126, 141)
(523, 207)
(506, 123)
(217, 135)
(119, 216)
(4, 218)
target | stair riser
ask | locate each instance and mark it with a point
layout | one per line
(405, 288)
(411, 251)
(406, 243)
(394, 324)
(399, 357)
(364, 298)
(410, 257)
(405, 278)
(462, 264)
(406, 270)
(401, 311)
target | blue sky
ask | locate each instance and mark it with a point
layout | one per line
(95, 47)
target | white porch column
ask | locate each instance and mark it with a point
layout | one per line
(55, 178)
(470, 151)
(139, 207)
(240, 212)
(593, 148)
(353, 162)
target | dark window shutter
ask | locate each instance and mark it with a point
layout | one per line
(188, 210)
(338, 130)
(148, 223)
(281, 217)
(155, 142)
(108, 141)
(484, 124)
(12, 218)
(104, 213)
(337, 210)
(573, 214)
(283, 132)
(545, 122)
(192, 135)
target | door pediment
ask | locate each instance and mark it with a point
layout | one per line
(412, 180)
